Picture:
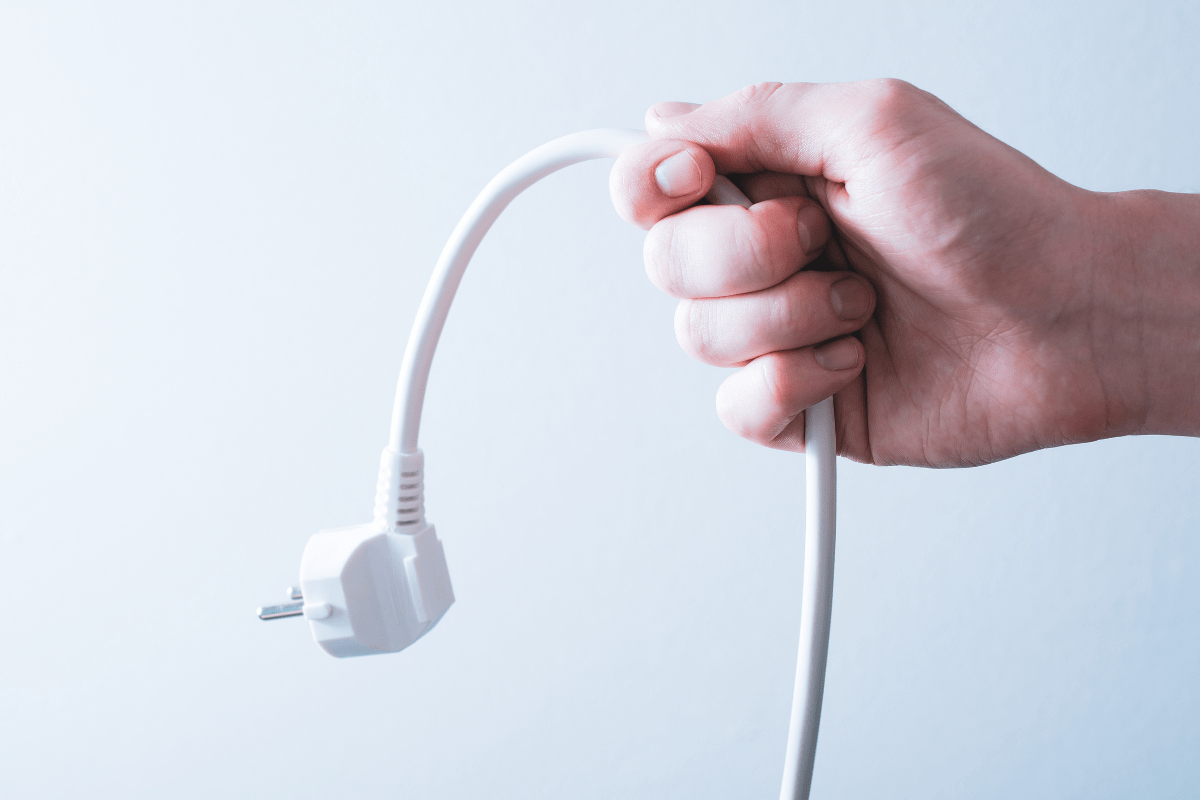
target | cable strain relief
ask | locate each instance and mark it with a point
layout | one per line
(400, 491)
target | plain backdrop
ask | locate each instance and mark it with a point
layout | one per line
(216, 221)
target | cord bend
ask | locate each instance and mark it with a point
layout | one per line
(447, 274)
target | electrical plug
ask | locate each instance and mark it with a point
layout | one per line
(374, 588)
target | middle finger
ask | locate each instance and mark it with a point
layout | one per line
(718, 251)
(807, 308)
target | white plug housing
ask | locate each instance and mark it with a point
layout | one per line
(369, 591)
(377, 588)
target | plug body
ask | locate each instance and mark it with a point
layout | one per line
(368, 590)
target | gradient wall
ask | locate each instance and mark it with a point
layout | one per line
(216, 221)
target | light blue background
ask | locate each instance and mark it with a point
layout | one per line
(216, 220)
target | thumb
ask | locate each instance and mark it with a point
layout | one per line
(832, 130)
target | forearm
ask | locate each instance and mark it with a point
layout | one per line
(1147, 333)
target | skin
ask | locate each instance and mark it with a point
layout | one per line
(987, 308)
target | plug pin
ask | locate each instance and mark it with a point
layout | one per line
(281, 610)
(294, 608)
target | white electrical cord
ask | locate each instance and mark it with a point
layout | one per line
(821, 475)
(816, 605)
(447, 274)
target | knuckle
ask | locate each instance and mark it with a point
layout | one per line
(753, 239)
(652, 254)
(890, 92)
(757, 93)
(888, 99)
(692, 329)
(743, 428)
(752, 106)
(773, 381)
(734, 417)
(620, 189)
(769, 242)
(660, 253)
(727, 411)
(677, 260)
(779, 312)
(629, 211)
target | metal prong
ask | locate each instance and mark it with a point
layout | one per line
(281, 610)
(294, 593)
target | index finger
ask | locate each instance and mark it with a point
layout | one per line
(801, 128)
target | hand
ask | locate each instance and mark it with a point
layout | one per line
(965, 306)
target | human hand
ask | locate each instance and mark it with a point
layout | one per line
(1001, 318)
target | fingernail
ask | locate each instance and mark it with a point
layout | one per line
(837, 355)
(851, 298)
(673, 109)
(679, 175)
(811, 223)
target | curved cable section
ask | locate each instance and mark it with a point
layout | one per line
(447, 274)
(821, 477)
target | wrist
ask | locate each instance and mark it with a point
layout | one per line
(1146, 320)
